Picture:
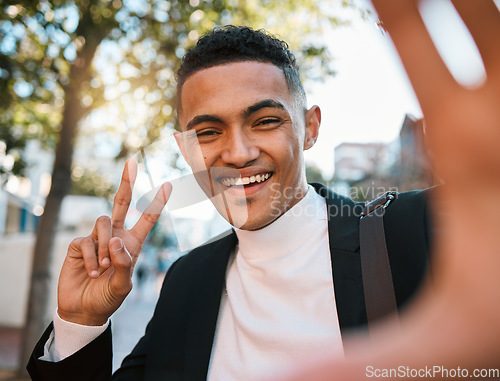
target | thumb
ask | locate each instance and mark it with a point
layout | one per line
(121, 280)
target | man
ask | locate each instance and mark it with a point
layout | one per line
(285, 284)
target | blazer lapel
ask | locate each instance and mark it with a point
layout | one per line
(343, 232)
(205, 296)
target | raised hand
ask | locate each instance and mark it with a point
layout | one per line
(462, 125)
(463, 133)
(97, 272)
(454, 324)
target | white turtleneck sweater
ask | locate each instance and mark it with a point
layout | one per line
(278, 307)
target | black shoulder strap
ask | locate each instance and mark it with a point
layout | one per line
(375, 267)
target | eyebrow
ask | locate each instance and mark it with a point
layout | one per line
(262, 104)
(199, 119)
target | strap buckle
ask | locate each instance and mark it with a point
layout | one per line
(381, 202)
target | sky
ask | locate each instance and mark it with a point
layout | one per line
(368, 97)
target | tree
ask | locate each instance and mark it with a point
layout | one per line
(314, 175)
(88, 182)
(67, 61)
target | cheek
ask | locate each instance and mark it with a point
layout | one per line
(294, 153)
(197, 165)
(208, 156)
(291, 163)
(199, 157)
(285, 150)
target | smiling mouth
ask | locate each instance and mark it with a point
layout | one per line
(245, 181)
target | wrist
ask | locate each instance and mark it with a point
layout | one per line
(82, 319)
(70, 337)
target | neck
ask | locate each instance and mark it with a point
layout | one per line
(280, 236)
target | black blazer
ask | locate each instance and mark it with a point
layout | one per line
(178, 339)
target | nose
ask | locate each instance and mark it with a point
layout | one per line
(239, 149)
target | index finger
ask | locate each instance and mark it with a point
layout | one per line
(147, 220)
(426, 70)
(123, 195)
(483, 21)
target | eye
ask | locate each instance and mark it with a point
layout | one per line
(268, 122)
(206, 133)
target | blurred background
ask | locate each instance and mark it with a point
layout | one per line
(86, 84)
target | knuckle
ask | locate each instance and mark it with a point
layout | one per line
(120, 200)
(103, 220)
(116, 225)
(150, 217)
(87, 241)
(75, 242)
(121, 259)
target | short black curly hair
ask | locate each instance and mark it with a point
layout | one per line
(231, 43)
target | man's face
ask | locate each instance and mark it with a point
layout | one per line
(240, 122)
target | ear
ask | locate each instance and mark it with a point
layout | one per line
(313, 121)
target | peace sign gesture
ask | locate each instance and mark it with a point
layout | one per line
(97, 273)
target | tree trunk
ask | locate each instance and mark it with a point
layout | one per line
(38, 316)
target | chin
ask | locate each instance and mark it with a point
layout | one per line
(245, 213)
(257, 223)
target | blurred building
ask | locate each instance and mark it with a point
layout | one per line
(361, 169)
(356, 161)
(22, 201)
(364, 171)
(413, 169)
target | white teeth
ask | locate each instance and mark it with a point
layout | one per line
(228, 182)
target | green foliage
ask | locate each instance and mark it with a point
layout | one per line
(117, 60)
(314, 175)
(88, 182)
